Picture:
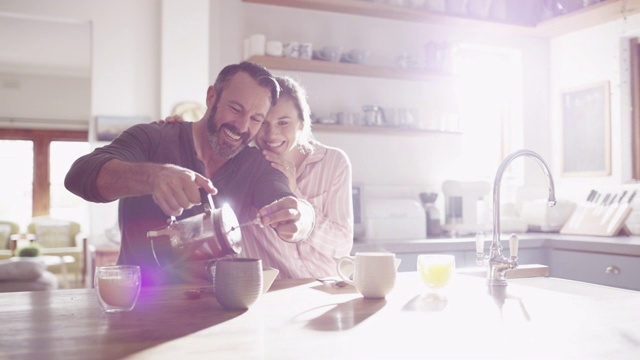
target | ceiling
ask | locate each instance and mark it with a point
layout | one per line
(38, 45)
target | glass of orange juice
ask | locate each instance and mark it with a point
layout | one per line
(436, 270)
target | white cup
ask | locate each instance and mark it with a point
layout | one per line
(291, 49)
(117, 287)
(237, 283)
(274, 48)
(257, 44)
(374, 275)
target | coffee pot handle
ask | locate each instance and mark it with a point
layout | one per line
(207, 201)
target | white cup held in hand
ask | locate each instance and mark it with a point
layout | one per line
(237, 283)
(375, 273)
(117, 287)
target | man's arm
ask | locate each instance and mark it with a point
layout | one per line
(124, 168)
(173, 188)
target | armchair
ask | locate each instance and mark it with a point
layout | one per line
(7, 229)
(61, 237)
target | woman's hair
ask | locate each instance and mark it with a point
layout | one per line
(292, 89)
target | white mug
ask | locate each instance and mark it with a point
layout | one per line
(257, 44)
(238, 282)
(374, 273)
(274, 48)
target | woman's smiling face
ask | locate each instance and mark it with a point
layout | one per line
(281, 127)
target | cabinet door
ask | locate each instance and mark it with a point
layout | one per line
(604, 269)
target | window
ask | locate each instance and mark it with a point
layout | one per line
(488, 86)
(34, 164)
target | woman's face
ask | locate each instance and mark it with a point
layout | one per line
(281, 127)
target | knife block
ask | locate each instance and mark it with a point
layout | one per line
(598, 220)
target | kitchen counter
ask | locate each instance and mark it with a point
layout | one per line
(621, 245)
(531, 318)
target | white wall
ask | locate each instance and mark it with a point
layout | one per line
(421, 162)
(126, 80)
(586, 57)
(125, 70)
(41, 98)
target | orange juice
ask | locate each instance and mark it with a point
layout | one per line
(435, 270)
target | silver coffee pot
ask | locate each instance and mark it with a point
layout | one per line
(213, 234)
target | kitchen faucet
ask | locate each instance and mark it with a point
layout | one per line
(497, 264)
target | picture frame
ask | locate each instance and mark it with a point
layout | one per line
(586, 130)
(109, 127)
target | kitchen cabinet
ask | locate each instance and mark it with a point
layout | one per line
(604, 269)
(596, 14)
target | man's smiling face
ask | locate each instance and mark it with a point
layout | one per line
(238, 113)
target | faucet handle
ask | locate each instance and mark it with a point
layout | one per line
(513, 246)
(480, 242)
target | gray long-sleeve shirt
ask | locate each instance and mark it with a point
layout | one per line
(244, 182)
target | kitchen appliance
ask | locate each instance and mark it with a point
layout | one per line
(464, 203)
(212, 234)
(393, 220)
(357, 190)
(434, 227)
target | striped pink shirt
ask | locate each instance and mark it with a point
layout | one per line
(324, 180)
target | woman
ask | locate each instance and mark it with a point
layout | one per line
(317, 173)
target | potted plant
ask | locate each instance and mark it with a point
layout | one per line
(31, 250)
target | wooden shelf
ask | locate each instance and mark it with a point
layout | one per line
(383, 130)
(600, 13)
(339, 68)
(596, 14)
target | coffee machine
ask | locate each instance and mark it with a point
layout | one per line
(465, 203)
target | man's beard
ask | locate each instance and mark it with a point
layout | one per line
(219, 148)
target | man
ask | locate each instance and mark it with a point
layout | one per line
(158, 170)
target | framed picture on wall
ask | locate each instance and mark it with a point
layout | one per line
(109, 127)
(586, 130)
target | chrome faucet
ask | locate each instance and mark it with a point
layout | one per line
(497, 264)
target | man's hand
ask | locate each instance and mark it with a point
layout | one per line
(175, 188)
(291, 218)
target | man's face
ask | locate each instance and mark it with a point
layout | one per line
(237, 115)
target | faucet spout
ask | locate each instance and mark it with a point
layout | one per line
(497, 263)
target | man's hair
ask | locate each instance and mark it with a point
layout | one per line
(257, 72)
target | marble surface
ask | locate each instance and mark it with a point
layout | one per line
(531, 318)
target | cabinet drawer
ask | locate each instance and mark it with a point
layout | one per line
(604, 269)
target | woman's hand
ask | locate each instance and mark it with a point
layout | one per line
(285, 166)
